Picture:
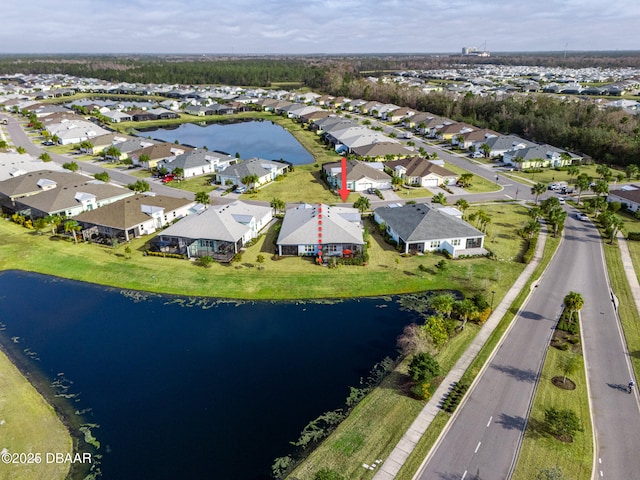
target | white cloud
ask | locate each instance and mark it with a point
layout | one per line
(311, 26)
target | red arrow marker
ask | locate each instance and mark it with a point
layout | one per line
(344, 191)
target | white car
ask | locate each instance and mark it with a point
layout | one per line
(561, 200)
(583, 216)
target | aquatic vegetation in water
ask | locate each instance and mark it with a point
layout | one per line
(137, 296)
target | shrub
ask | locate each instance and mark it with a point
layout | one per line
(423, 367)
(205, 261)
(562, 423)
(422, 391)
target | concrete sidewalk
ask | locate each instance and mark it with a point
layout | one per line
(629, 271)
(391, 466)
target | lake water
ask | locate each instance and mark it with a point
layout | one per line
(194, 388)
(261, 139)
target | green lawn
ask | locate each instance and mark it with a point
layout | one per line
(478, 184)
(540, 449)
(29, 425)
(549, 175)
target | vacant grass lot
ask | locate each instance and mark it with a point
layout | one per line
(29, 425)
(549, 175)
(541, 450)
(478, 184)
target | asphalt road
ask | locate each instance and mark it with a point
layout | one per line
(482, 440)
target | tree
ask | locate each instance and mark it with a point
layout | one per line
(423, 367)
(568, 364)
(604, 171)
(250, 181)
(178, 172)
(53, 221)
(140, 186)
(462, 205)
(113, 153)
(612, 223)
(485, 149)
(45, 157)
(203, 198)
(72, 166)
(21, 150)
(39, 223)
(573, 302)
(439, 198)
(631, 171)
(327, 474)
(535, 213)
(71, 226)
(538, 189)
(442, 304)
(102, 176)
(582, 183)
(465, 309)
(531, 228)
(362, 204)
(465, 179)
(436, 329)
(278, 205)
(601, 187)
(573, 171)
(397, 181)
(556, 216)
(562, 423)
(86, 146)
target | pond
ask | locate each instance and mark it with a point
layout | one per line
(262, 139)
(195, 388)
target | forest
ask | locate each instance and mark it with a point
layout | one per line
(608, 136)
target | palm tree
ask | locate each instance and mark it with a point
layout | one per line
(462, 205)
(53, 221)
(278, 205)
(397, 181)
(538, 189)
(45, 157)
(362, 204)
(535, 213)
(485, 149)
(556, 217)
(250, 181)
(203, 198)
(71, 226)
(439, 198)
(465, 179)
(465, 309)
(582, 183)
(531, 228)
(442, 304)
(178, 172)
(573, 171)
(113, 153)
(603, 171)
(574, 302)
(601, 187)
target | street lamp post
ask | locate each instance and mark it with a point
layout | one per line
(493, 293)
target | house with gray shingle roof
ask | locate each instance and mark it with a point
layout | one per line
(198, 162)
(419, 171)
(420, 228)
(219, 232)
(132, 217)
(308, 230)
(265, 170)
(361, 176)
(539, 156)
(501, 144)
(627, 195)
(46, 192)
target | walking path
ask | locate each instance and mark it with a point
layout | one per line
(390, 468)
(629, 271)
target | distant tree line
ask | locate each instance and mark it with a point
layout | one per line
(250, 71)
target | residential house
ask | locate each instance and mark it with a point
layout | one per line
(265, 170)
(15, 164)
(219, 232)
(103, 142)
(132, 217)
(399, 114)
(421, 172)
(142, 115)
(381, 150)
(198, 162)
(361, 176)
(163, 113)
(420, 228)
(132, 145)
(448, 132)
(321, 230)
(539, 156)
(153, 154)
(117, 116)
(466, 140)
(47, 192)
(627, 195)
(501, 144)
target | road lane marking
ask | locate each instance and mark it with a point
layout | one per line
(464, 475)
(599, 460)
(601, 473)
(490, 419)
(478, 447)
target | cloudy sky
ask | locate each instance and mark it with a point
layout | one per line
(315, 26)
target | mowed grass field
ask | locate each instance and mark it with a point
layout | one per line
(541, 450)
(28, 424)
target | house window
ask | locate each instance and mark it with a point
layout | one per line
(332, 248)
(455, 242)
(206, 243)
(309, 248)
(435, 244)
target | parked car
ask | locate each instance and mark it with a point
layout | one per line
(48, 143)
(240, 189)
(168, 178)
